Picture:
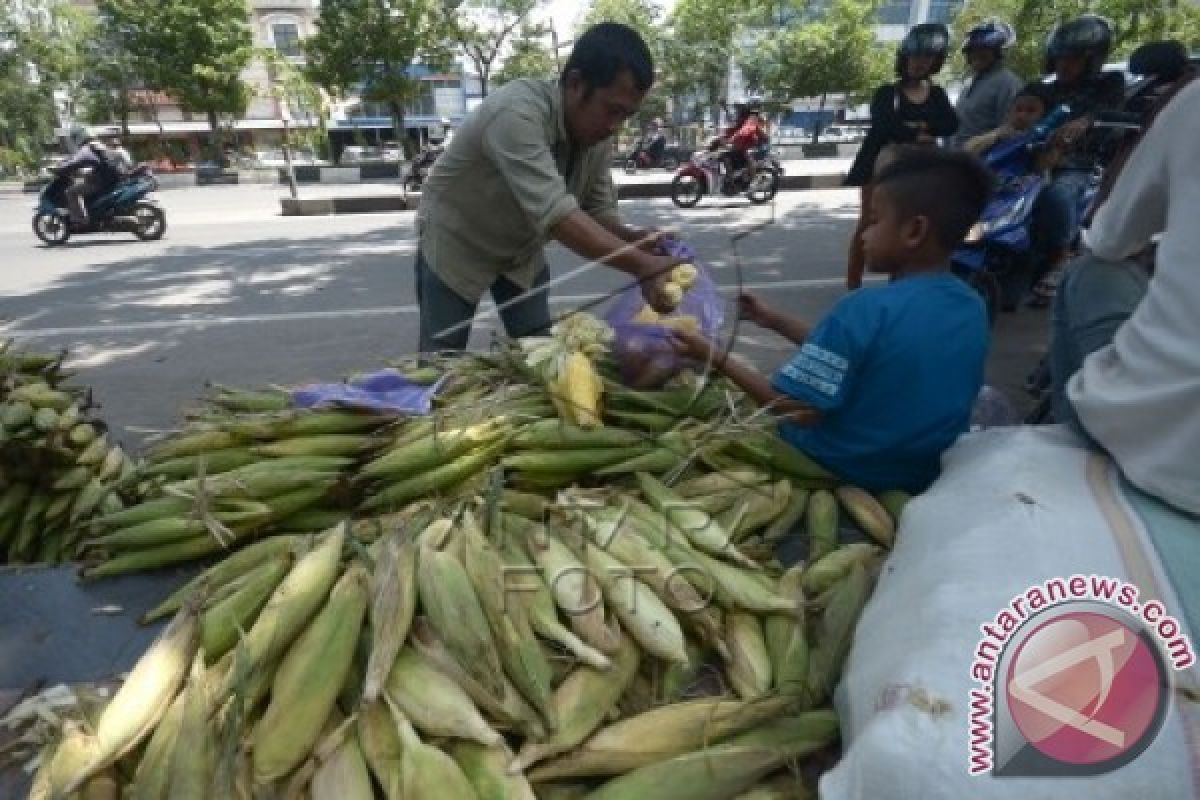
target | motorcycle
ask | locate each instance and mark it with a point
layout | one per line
(705, 174)
(421, 166)
(996, 258)
(125, 208)
(644, 157)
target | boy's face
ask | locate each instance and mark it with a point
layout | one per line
(1025, 113)
(891, 237)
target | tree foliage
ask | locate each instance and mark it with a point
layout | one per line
(641, 15)
(484, 28)
(1135, 22)
(369, 46)
(530, 57)
(698, 43)
(195, 50)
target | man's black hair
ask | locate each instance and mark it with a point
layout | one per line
(604, 51)
(950, 189)
(1038, 90)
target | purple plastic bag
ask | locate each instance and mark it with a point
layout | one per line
(386, 390)
(644, 351)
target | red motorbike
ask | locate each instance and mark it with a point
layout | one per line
(706, 173)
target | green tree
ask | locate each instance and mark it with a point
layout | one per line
(1134, 21)
(826, 49)
(193, 49)
(111, 74)
(290, 85)
(483, 28)
(529, 57)
(697, 45)
(641, 15)
(368, 46)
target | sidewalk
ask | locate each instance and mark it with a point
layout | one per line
(325, 199)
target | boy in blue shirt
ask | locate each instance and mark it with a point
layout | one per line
(886, 382)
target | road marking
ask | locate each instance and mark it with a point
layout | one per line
(486, 309)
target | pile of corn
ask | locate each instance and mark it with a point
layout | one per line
(58, 467)
(245, 466)
(508, 606)
(601, 644)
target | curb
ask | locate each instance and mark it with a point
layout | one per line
(366, 204)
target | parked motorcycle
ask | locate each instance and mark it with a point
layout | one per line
(644, 157)
(126, 208)
(996, 257)
(421, 166)
(705, 174)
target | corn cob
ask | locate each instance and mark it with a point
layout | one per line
(393, 603)
(733, 588)
(427, 771)
(836, 632)
(145, 695)
(749, 668)
(225, 571)
(787, 643)
(214, 463)
(791, 516)
(701, 529)
(653, 422)
(895, 502)
(487, 770)
(509, 710)
(771, 452)
(435, 480)
(152, 779)
(293, 604)
(342, 775)
(529, 506)
(439, 447)
(191, 762)
(221, 625)
(454, 612)
(725, 770)
(868, 514)
(580, 390)
(433, 703)
(308, 679)
(581, 703)
(519, 651)
(73, 751)
(154, 557)
(555, 434)
(192, 444)
(555, 462)
(642, 614)
(659, 734)
(823, 574)
(381, 747)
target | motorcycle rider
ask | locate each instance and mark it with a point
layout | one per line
(912, 110)
(744, 135)
(984, 103)
(654, 144)
(1075, 54)
(96, 168)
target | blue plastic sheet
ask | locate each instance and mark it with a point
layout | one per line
(386, 390)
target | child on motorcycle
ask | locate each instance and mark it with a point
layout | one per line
(887, 380)
(1028, 107)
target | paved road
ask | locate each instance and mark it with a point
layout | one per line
(236, 294)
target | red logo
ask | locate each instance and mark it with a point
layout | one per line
(1085, 689)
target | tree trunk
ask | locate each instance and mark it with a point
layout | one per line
(216, 138)
(398, 126)
(484, 79)
(817, 121)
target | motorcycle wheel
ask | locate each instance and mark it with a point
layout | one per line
(151, 222)
(764, 188)
(631, 166)
(686, 191)
(51, 227)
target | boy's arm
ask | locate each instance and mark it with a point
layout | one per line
(751, 308)
(793, 329)
(750, 381)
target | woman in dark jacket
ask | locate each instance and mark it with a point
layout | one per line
(910, 111)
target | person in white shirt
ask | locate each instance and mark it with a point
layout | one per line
(1138, 396)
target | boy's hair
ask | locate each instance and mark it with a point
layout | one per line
(950, 189)
(1037, 90)
(604, 50)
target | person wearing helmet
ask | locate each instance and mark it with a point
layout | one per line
(1075, 54)
(912, 110)
(984, 103)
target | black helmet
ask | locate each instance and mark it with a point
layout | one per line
(994, 34)
(1089, 35)
(926, 39)
(1165, 61)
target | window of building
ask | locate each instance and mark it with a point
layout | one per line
(286, 36)
(944, 10)
(895, 12)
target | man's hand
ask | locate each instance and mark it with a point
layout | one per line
(656, 271)
(653, 240)
(692, 345)
(752, 309)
